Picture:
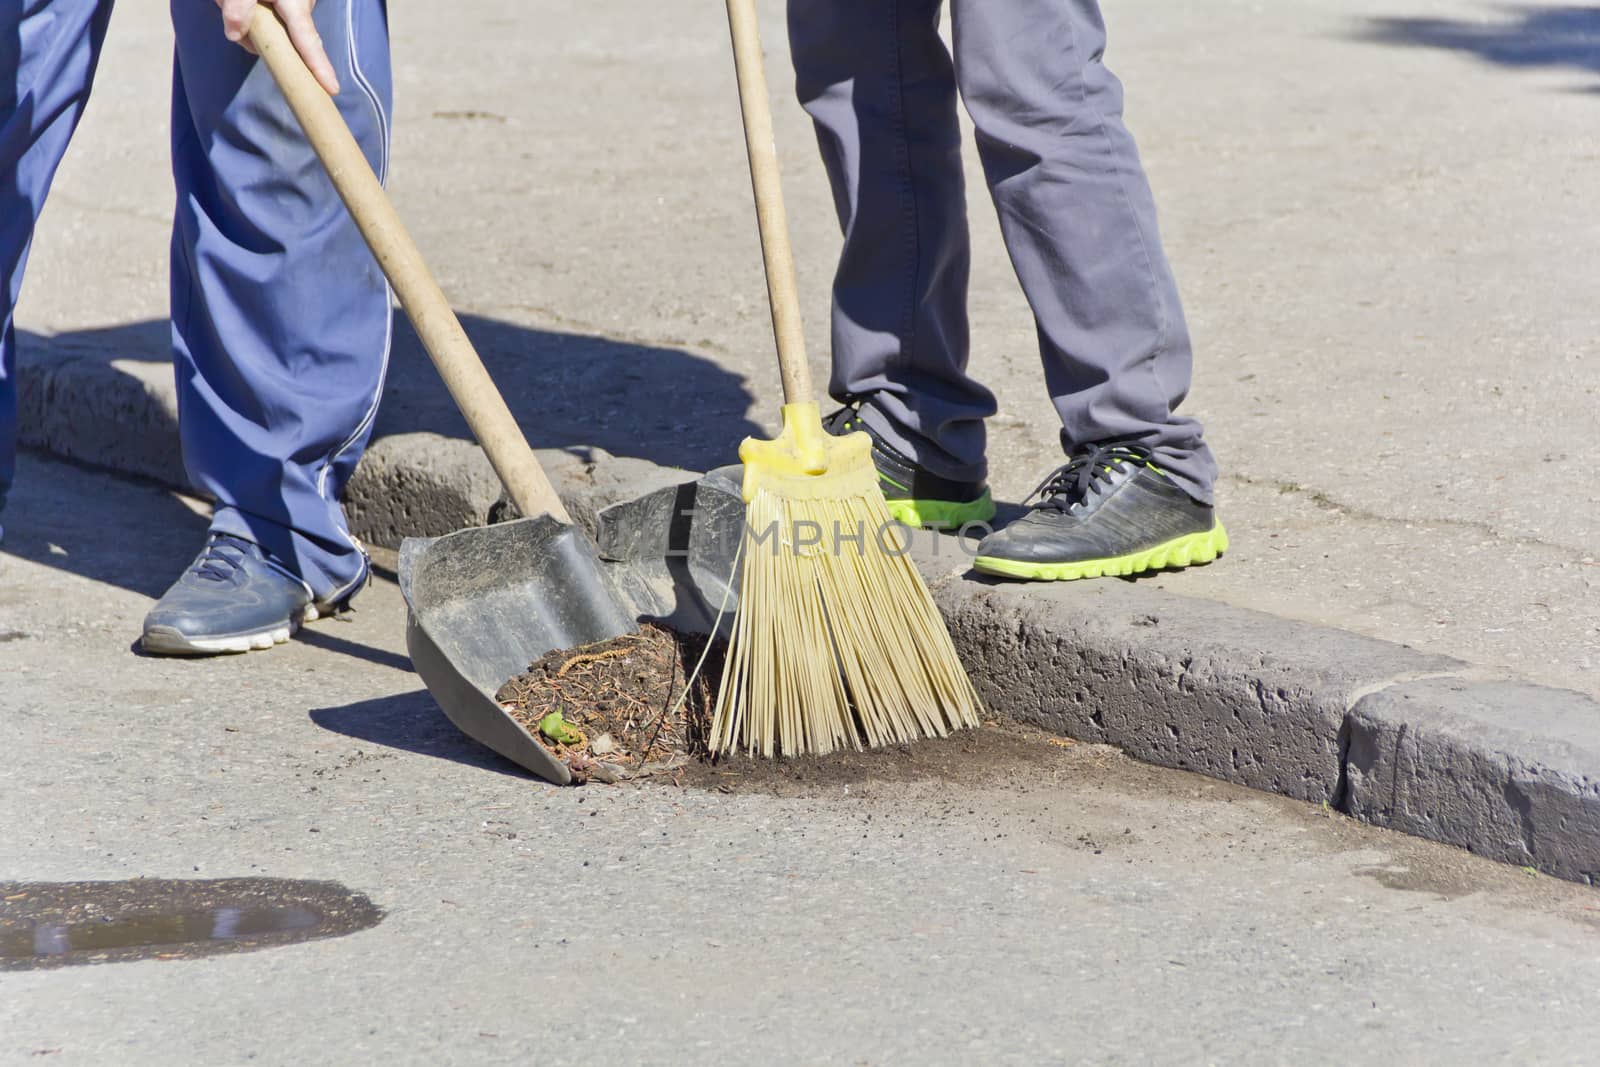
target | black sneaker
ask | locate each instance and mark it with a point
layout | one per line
(233, 598)
(915, 496)
(1109, 511)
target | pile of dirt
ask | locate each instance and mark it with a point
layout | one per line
(992, 756)
(616, 709)
(611, 712)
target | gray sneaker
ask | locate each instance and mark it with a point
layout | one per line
(1109, 511)
(231, 599)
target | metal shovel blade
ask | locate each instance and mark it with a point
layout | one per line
(484, 603)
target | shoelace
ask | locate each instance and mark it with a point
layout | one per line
(223, 557)
(843, 419)
(1072, 482)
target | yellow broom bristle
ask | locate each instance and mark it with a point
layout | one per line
(836, 641)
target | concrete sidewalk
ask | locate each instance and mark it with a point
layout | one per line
(1381, 229)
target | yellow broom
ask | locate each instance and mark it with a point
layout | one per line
(836, 641)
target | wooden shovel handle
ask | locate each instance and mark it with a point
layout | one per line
(760, 145)
(452, 353)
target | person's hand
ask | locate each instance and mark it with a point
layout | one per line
(296, 18)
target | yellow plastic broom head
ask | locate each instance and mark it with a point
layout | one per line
(837, 642)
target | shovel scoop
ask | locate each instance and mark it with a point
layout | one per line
(485, 603)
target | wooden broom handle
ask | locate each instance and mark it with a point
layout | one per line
(436, 324)
(760, 145)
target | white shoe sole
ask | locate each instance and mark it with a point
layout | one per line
(166, 641)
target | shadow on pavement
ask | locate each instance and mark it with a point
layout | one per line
(66, 525)
(1547, 36)
(411, 722)
(324, 635)
(134, 536)
(665, 405)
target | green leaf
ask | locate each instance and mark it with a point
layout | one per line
(556, 728)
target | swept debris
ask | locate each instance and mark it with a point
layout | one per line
(611, 710)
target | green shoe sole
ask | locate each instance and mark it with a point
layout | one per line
(1179, 552)
(941, 514)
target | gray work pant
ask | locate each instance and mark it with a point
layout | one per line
(1074, 205)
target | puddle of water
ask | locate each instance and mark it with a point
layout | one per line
(52, 924)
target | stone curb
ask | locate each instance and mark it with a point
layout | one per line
(1507, 769)
(1419, 743)
(1415, 742)
(123, 415)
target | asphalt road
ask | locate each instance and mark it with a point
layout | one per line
(1380, 213)
(1068, 906)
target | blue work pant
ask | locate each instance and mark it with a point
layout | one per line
(281, 319)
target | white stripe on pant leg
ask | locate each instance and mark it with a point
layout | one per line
(366, 87)
(388, 335)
